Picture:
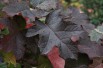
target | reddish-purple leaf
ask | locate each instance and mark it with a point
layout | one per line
(55, 58)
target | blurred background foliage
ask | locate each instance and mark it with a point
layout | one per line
(94, 9)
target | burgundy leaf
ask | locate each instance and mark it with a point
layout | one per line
(56, 32)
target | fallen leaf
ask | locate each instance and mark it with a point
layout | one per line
(55, 58)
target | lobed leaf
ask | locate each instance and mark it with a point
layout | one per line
(56, 33)
(96, 34)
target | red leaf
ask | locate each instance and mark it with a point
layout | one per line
(28, 24)
(55, 59)
(2, 26)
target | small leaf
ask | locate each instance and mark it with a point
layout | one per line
(5, 31)
(28, 23)
(1, 26)
(10, 58)
(96, 34)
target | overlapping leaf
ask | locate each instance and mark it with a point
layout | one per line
(92, 49)
(14, 8)
(73, 15)
(34, 13)
(23, 8)
(44, 4)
